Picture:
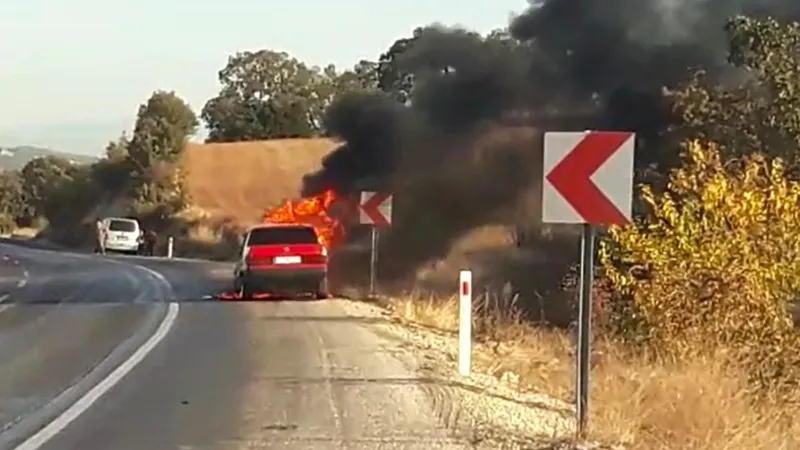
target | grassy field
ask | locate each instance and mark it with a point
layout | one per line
(239, 181)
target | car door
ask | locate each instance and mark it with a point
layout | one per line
(239, 267)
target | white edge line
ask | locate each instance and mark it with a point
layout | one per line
(84, 403)
(4, 306)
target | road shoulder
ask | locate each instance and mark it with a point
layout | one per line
(500, 413)
(324, 379)
(418, 380)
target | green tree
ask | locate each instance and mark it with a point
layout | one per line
(41, 178)
(763, 111)
(362, 77)
(12, 200)
(163, 124)
(395, 74)
(70, 196)
(113, 173)
(334, 85)
(265, 95)
(391, 77)
(117, 151)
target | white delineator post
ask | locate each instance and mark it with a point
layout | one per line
(169, 247)
(465, 322)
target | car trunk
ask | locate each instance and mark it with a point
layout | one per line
(284, 253)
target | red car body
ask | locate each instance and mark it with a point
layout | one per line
(282, 259)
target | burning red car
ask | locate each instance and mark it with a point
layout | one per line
(282, 259)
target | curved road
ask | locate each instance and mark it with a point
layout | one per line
(76, 374)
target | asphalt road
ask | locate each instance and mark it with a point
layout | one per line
(283, 375)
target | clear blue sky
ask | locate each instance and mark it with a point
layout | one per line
(74, 71)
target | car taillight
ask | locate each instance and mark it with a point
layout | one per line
(250, 258)
(315, 259)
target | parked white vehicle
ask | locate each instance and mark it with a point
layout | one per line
(122, 234)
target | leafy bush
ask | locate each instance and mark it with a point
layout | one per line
(7, 224)
(12, 197)
(161, 192)
(715, 265)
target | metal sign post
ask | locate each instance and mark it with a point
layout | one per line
(584, 328)
(373, 263)
(588, 180)
(376, 210)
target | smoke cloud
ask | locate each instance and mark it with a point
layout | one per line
(468, 148)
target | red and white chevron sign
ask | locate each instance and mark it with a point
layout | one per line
(588, 177)
(375, 208)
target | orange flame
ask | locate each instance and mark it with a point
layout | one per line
(311, 211)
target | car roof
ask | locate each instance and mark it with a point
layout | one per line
(263, 226)
(123, 219)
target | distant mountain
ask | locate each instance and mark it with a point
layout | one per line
(15, 158)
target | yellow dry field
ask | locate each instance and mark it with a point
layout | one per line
(241, 180)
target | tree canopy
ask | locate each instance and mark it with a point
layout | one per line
(269, 94)
(760, 108)
(456, 79)
(162, 127)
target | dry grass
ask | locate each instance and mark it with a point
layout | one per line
(25, 232)
(208, 241)
(241, 180)
(697, 404)
(232, 184)
(204, 234)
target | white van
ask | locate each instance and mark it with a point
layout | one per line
(122, 234)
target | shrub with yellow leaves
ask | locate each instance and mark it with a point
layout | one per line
(714, 265)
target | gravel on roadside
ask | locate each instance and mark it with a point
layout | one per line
(499, 413)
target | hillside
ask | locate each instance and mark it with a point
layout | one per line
(240, 180)
(15, 158)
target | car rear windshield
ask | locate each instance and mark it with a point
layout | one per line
(282, 235)
(122, 225)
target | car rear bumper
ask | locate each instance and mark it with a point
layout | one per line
(123, 246)
(305, 279)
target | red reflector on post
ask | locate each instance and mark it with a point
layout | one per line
(465, 288)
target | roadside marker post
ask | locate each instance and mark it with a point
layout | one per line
(588, 180)
(375, 208)
(465, 323)
(170, 242)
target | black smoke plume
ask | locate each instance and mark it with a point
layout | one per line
(468, 147)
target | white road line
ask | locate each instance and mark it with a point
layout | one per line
(22, 283)
(3, 307)
(85, 402)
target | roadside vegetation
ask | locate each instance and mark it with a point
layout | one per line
(696, 344)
